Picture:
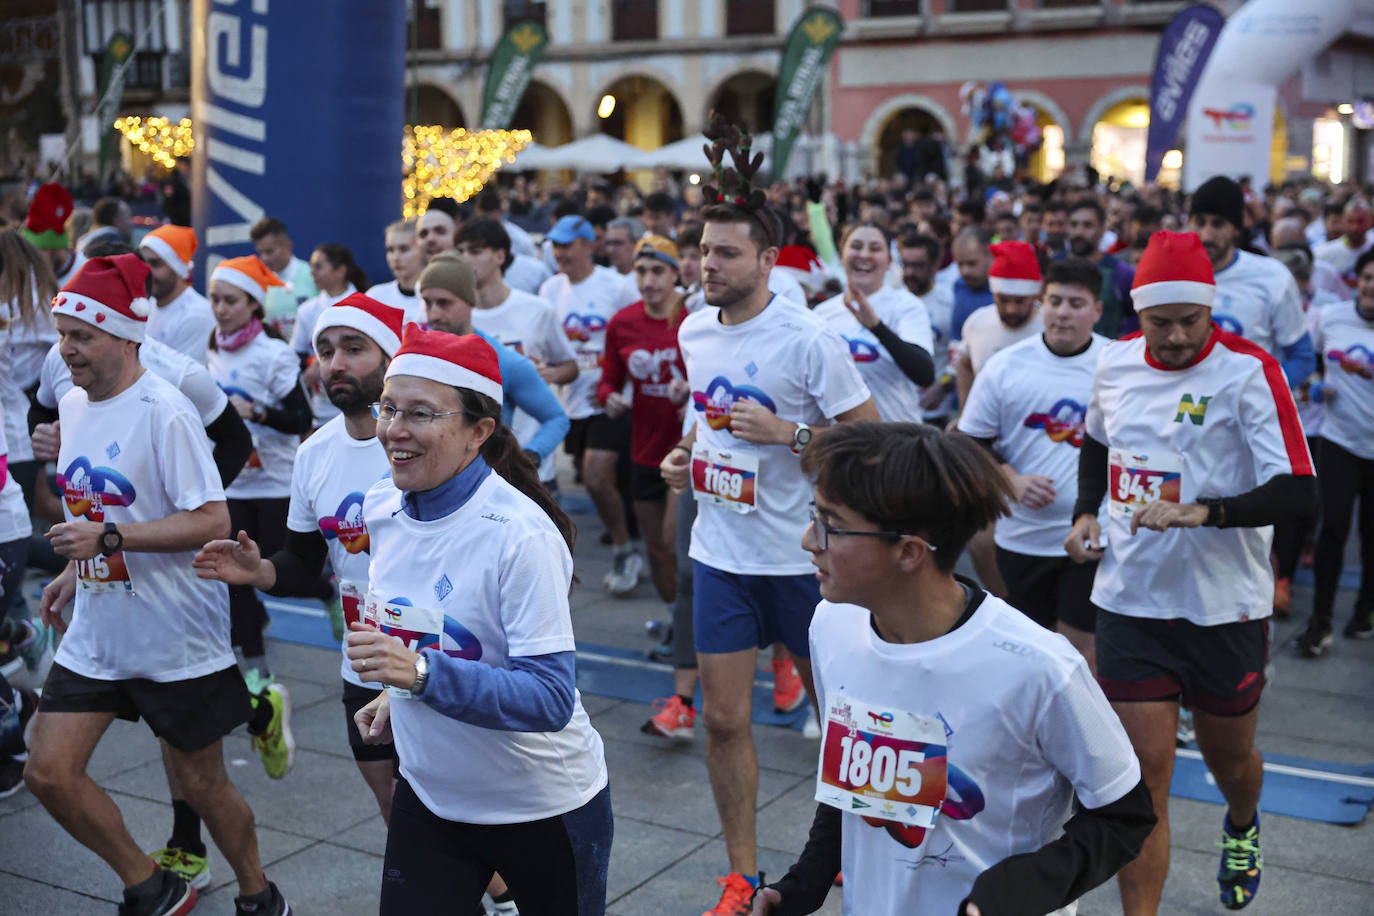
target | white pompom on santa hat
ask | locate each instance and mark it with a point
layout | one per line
(1173, 269)
(1015, 270)
(380, 322)
(460, 360)
(110, 293)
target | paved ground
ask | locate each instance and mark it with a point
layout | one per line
(321, 838)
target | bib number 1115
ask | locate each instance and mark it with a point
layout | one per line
(881, 769)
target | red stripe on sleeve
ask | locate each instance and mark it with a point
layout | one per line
(1294, 441)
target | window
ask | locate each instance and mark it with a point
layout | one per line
(876, 9)
(978, 6)
(514, 11)
(1067, 4)
(634, 20)
(425, 26)
(750, 17)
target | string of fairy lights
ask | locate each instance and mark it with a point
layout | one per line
(438, 162)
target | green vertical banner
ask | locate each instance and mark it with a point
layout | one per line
(512, 64)
(109, 89)
(804, 58)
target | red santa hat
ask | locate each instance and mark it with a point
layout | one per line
(1015, 270)
(380, 322)
(460, 360)
(111, 294)
(1174, 268)
(803, 265)
(175, 245)
(46, 224)
(248, 274)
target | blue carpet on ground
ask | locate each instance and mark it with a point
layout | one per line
(1293, 786)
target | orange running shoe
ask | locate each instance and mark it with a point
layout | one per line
(788, 692)
(672, 719)
(736, 898)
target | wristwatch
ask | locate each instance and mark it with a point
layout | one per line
(800, 438)
(259, 413)
(421, 675)
(110, 540)
(1216, 512)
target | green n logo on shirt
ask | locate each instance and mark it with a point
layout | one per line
(1194, 412)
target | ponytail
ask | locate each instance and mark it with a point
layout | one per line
(341, 256)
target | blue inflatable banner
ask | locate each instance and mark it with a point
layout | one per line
(1184, 47)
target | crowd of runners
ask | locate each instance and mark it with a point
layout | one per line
(793, 408)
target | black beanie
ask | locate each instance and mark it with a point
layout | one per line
(1220, 196)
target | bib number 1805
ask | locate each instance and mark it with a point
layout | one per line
(880, 769)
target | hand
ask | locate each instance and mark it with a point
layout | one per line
(765, 900)
(1084, 543)
(231, 562)
(79, 540)
(752, 422)
(857, 303)
(1161, 515)
(374, 720)
(970, 909)
(934, 396)
(678, 390)
(242, 406)
(615, 405)
(375, 656)
(676, 468)
(1034, 491)
(56, 596)
(47, 440)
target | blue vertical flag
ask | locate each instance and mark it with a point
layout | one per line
(1184, 47)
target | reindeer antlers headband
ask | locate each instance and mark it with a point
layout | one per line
(734, 186)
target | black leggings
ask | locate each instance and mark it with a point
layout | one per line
(553, 867)
(265, 521)
(1344, 478)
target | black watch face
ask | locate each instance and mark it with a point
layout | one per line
(110, 540)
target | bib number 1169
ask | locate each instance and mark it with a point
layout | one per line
(881, 769)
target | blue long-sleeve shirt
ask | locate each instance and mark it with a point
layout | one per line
(1299, 360)
(524, 388)
(967, 300)
(536, 693)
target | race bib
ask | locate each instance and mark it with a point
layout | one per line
(102, 574)
(879, 762)
(725, 479)
(1135, 480)
(588, 360)
(353, 597)
(417, 627)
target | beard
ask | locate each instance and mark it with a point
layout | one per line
(1082, 248)
(359, 394)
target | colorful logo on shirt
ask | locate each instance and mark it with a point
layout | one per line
(581, 327)
(1357, 360)
(862, 350)
(715, 402)
(653, 366)
(1229, 323)
(456, 641)
(88, 490)
(1062, 423)
(347, 526)
(963, 799)
(1196, 412)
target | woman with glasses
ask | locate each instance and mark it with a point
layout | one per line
(956, 733)
(467, 623)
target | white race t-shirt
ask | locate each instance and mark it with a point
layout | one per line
(939, 303)
(1033, 403)
(332, 475)
(15, 404)
(1016, 728)
(498, 573)
(14, 515)
(1346, 342)
(392, 295)
(896, 396)
(528, 325)
(584, 309)
(526, 274)
(29, 343)
(140, 457)
(187, 375)
(1340, 257)
(264, 371)
(1258, 299)
(1312, 413)
(786, 359)
(1220, 427)
(984, 334)
(184, 324)
(785, 286)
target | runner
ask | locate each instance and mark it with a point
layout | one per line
(404, 261)
(888, 330)
(140, 491)
(183, 319)
(501, 769)
(763, 371)
(1194, 433)
(1027, 408)
(337, 275)
(272, 243)
(1038, 798)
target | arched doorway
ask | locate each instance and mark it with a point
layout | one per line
(644, 112)
(426, 104)
(544, 114)
(924, 123)
(1118, 140)
(1047, 162)
(746, 99)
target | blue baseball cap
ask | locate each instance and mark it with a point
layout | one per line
(570, 228)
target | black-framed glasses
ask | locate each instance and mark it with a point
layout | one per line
(415, 416)
(824, 532)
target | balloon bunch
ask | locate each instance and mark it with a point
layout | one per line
(997, 115)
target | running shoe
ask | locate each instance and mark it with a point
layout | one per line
(672, 719)
(277, 907)
(1185, 734)
(1315, 640)
(1238, 877)
(626, 565)
(811, 729)
(1283, 598)
(14, 723)
(1361, 625)
(788, 692)
(257, 681)
(276, 745)
(736, 896)
(176, 898)
(11, 776)
(16, 635)
(191, 868)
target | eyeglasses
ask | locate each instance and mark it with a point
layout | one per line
(415, 416)
(824, 532)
